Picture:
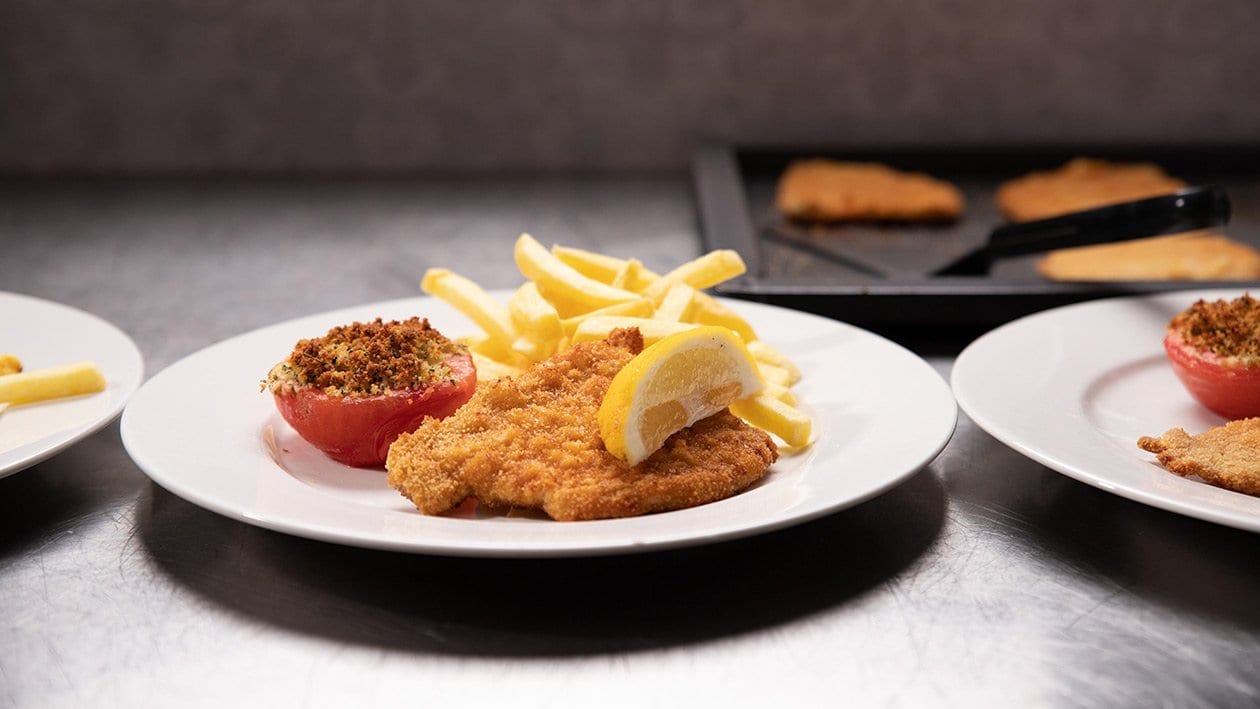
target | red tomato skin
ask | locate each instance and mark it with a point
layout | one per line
(358, 430)
(1230, 391)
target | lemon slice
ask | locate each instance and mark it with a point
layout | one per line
(672, 384)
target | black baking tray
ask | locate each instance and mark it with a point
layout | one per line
(878, 275)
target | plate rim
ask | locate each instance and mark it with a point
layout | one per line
(574, 546)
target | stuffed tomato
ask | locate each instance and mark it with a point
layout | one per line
(1214, 349)
(352, 392)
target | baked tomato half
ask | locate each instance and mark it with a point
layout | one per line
(1214, 349)
(353, 392)
(1222, 384)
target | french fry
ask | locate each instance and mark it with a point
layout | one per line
(599, 327)
(782, 393)
(703, 272)
(629, 274)
(490, 348)
(707, 310)
(640, 277)
(766, 354)
(537, 322)
(676, 305)
(51, 383)
(489, 369)
(641, 308)
(468, 298)
(534, 350)
(595, 266)
(532, 314)
(568, 290)
(775, 417)
(9, 364)
(774, 375)
(635, 277)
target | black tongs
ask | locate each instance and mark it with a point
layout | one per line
(1186, 210)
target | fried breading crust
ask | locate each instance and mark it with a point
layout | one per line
(1079, 184)
(1194, 255)
(1227, 456)
(532, 441)
(830, 190)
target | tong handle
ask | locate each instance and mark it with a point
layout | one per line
(1185, 210)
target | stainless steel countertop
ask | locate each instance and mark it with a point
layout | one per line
(985, 579)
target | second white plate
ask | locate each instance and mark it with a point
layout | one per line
(1075, 387)
(42, 334)
(203, 430)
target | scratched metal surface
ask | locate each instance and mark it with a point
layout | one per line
(985, 579)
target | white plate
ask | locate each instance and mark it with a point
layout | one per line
(45, 334)
(203, 430)
(1075, 387)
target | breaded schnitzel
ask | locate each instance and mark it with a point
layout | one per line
(819, 189)
(532, 441)
(1195, 255)
(1227, 456)
(1081, 183)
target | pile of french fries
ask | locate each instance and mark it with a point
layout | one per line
(572, 295)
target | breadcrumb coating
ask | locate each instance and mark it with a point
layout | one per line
(366, 359)
(1228, 328)
(1227, 456)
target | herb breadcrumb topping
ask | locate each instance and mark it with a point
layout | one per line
(367, 359)
(1228, 328)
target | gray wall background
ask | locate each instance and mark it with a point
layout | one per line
(282, 86)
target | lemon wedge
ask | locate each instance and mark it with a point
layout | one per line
(670, 385)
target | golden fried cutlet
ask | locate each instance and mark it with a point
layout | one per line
(1192, 256)
(829, 190)
(1081, 183)
(532, 441)
(1227, 456)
